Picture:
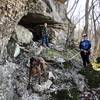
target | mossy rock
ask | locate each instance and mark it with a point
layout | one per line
(67, 64)
(52, 53)
(64, 94)
(98, 59)
(75, 94)
(61, 94)
(72, 94)
(92, 76)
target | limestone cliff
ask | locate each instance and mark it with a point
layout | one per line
(12, 11)
(27, 13)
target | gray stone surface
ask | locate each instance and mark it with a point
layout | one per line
(23, 34)
(14, 71)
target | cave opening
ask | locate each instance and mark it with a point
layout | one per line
(34, 22)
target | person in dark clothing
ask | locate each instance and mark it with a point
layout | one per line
(45, 41)
(85, 46)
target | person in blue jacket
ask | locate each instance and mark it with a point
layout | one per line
(85, 46)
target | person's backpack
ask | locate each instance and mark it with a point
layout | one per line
(85, 44)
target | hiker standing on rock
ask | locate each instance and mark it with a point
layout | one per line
(45, 41)
(85, 46)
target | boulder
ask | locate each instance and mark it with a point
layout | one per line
(23, 35)
(44, 86)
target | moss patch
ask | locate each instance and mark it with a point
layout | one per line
(98, 59)
(52, 53)
(67, 64)
(64, 94)
(92, 76)
(66, 55)
(72, 94)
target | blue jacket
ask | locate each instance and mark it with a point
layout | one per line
(85, 45)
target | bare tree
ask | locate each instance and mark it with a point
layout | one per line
(94, 25)
(71, 7)
(99, 2)
(95, 18)
(86, 16)
(67, 3)
(74, 8)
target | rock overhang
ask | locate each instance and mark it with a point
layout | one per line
(37, 19)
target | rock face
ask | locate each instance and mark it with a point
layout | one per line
(6, 78)
(11, 12)
(65, 81)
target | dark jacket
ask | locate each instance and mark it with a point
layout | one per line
(45, 31)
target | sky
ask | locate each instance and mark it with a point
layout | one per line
(79, 12)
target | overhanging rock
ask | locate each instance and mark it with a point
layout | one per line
(36, 19)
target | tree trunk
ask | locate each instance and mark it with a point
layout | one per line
(95, 31)
(86, 16)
